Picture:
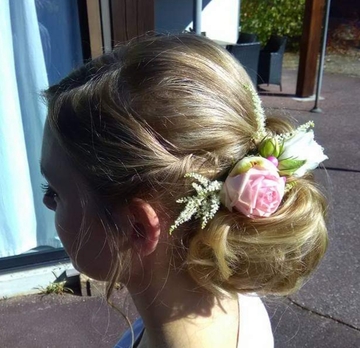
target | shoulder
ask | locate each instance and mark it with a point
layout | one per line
(255, 328)
(126, 340)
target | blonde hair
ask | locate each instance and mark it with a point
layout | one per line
(137, 119)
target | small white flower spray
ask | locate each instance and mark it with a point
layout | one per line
(203, 204)
(302, 128)
(259, 113)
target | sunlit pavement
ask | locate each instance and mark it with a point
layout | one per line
(326, 312)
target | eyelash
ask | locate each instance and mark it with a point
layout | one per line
(48, 191)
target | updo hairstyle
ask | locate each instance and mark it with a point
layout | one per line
(136, 120)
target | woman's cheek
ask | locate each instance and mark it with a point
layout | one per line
(84, 239)
(66, 230)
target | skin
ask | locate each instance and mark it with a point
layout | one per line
(79, 229)
(176, 312)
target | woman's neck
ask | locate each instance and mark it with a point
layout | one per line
(177, 313)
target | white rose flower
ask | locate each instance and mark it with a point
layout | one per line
(303, 147)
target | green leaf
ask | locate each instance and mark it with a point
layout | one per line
(287, 172)
(290, 164)
(282, 148)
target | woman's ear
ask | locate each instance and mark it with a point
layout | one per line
(145, 227)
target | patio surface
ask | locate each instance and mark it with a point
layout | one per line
(325, 313)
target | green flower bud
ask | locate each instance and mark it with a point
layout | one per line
(269, 147)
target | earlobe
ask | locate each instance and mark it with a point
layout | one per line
(145, 229)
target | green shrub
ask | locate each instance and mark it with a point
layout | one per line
(267, 17)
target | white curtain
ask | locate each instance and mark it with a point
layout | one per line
(24, 222)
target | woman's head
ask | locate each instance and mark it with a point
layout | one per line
(133, 122)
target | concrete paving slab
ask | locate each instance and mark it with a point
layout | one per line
(58, 321)
(294, 327)
(334, 289)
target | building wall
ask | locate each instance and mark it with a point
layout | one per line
(220, 18)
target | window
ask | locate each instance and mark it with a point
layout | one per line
(41, 43)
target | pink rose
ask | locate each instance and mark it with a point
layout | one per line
(257, 192)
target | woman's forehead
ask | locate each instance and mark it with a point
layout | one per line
(54, 163)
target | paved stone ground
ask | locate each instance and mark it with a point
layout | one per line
(334, 62)
(325, 313)
(62, 321)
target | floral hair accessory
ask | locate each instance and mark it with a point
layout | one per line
(254, 187)
(257, 183)
(203, 205)
(300, 152)
(258, 111)
(296, 152)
